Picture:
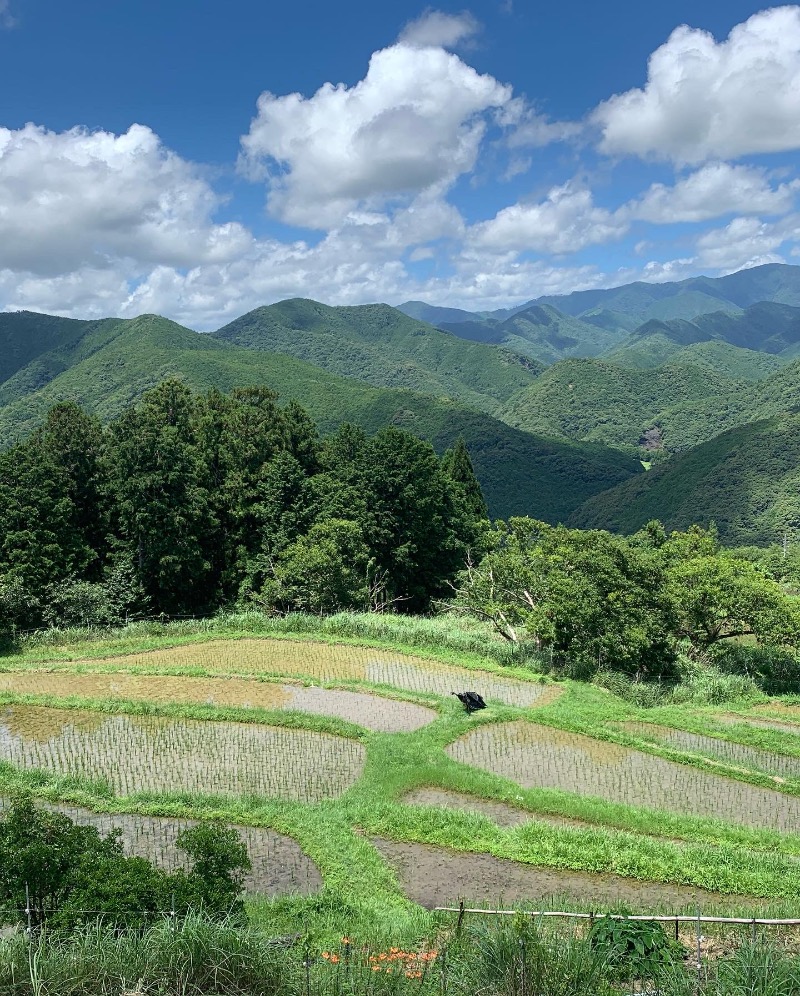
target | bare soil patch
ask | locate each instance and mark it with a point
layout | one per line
(502, 813)
(435, 876)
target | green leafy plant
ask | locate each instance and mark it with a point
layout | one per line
(633, 948)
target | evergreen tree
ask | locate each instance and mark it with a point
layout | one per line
(163, 511)
(456, 463)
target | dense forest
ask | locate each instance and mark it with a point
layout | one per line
(189, 503)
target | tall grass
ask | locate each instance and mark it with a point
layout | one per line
(446, 634)
(515, 958)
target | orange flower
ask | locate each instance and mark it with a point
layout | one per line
(376, 968)
(325, 955)
(345, 940)
(334, 958)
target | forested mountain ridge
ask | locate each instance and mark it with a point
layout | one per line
(619, 311)
(589, 399)
(383, 347)
(545, 440)
(520, 473)
(540, 332)
(746, 481)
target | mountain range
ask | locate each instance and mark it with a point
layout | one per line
(563, 401)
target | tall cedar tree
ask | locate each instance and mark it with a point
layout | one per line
(162, 502)
(456, 463)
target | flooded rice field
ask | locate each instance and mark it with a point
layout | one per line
(538, 756)
(371, 711)
(739, 755)
(759, 723)
(336, 662)
(154, 754)
(501, 813)
(280, 866)
(435, 876)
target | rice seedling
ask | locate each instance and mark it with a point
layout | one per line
(543, 757)
(760, 724)
(371, 711)
(723, 750)
(150, 754)
(334, 662)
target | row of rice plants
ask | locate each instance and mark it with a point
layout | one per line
(371, 711)
(544, 757)
(334, 662)
(149, 754)
(714, 747)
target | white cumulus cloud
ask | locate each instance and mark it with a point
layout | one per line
(434, 28)
(414, 123)
(713, 190)
(713, 100)
(566, 221)
(79, 198)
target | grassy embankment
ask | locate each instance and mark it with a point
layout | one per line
(361, 894)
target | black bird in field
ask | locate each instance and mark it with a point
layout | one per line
(470, 700)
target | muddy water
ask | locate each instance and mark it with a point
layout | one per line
(371, 711)
(153, 754)
(501, 813)
(739, 755)
(538, 756)
(436, 876)
(280, 866)
(331, 662)
(761, 724)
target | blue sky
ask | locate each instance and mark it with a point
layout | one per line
(198, 159)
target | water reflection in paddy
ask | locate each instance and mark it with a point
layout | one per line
(739, 755)
(539, 756)
(154, 754)
(372, 711)
(334, 662)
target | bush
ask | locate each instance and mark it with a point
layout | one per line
(775, 670)
(632, 949)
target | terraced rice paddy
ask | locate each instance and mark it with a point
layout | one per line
(542, 757)
(154, 754)
(335, 662)
(436, 876)
(761, 724)
(371, 711)
(739, 755)
(280, 866)
(501, 813)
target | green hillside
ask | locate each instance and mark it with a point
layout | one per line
(765, 327)
(774, 282)
(385, 348)
(540, 332)
(592, 400)
(757, 308)
(719, 357)
(732, 362)
(520, 473)
(746, 480)
(27, 336)
(690, 422)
